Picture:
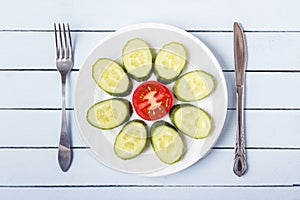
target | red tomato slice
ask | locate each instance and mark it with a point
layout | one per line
(152, 100)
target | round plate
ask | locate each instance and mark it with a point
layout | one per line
(87, 93)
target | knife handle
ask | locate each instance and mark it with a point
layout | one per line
(240, 164)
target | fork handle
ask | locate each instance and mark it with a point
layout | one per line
(240, 164)
(64, 152)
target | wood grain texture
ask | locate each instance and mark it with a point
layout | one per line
(39, 167)
(190, 14)
(40, 89)
(266, 51)
(149, 193)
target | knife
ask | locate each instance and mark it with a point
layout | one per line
(240, 164)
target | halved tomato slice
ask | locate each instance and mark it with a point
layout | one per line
(152, 100)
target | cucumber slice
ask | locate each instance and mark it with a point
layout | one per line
(131, 140)
(110, 113)
(193, 86)
(191, 120)
(166, 142)
(111, 77)
(137, 59)
(170, 62)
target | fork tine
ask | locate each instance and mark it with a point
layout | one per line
(56, 45)
(61, 50)
(70, 42)
(66, 49)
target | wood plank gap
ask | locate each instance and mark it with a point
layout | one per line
(51, 30)
(151, 186)
(83, 147)
(246, 31)
(230, 108)
(30, 109)
(76, 70)
(261, 148)
(31, 70)
(264, 71)
(38, 147)
(187, 30)
(267, 109)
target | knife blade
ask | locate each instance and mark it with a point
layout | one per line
(240, 164)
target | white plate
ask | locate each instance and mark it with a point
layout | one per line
(87, 93)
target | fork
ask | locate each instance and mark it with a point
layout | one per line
(64, 63)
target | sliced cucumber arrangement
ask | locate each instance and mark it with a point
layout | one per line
(170, 62)
(137, 59)
(166, 142)
(191, 120)
(131, 140)
(110, 113)
(111, 77)
(193, 86)
(168, 65)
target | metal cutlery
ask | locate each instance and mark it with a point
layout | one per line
(64, 64)
(240, 164)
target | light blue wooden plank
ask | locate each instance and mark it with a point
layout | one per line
(93, 14)
(42, 89)
(34, 128)
(33, 89)
(40, 128)
(266, 51)
(264, 128)
(36, 50)
(263, 90)
(40, 167)
(26, 50)
(267, 90)
(162, 193)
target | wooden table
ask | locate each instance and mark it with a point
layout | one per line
(30, 100)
